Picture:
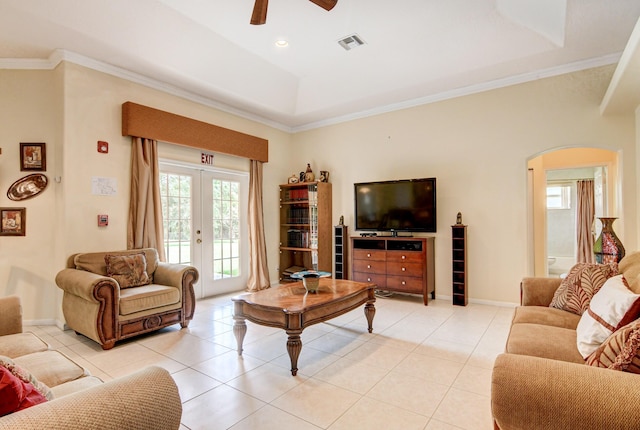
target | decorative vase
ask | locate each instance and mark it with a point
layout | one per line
(311, 282)
(608, 248)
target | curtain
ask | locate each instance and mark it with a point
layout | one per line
(585, 213)
(145, 229)
(258, 269)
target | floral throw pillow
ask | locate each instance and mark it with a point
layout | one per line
(130, 270)
(581, 284)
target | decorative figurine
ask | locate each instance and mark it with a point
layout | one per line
(459, 218)
(341, 219)
(301, 177)
(308, 175)
(293, 179)
(324, 176)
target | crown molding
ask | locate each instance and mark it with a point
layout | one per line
(465, 91)
(61, 55)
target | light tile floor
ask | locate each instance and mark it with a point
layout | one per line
(423, 367)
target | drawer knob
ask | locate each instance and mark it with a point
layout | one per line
(404, 283)
(404, 269)
(368, 255)
(404, 256)
(368, 279)
(368, 266)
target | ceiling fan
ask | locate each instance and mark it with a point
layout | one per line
(259, 15)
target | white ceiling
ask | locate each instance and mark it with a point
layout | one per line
(416, 51)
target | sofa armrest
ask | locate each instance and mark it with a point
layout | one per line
(10, 315)
(83, 284)
(535, 393)
(538, 291)
(183, 277)
(147, 399)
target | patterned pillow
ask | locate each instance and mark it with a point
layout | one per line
(580, 285)
(621, 350)
(25, 376)
(130, 270)
(613, 307)
(16, 394)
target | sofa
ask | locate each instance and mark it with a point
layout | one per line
(110, 296)
(148, 399)
(543, 379)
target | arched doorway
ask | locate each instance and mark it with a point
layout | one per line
(555, 172)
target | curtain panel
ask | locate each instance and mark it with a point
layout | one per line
(585, 215)
(258, 268)
(145, 228)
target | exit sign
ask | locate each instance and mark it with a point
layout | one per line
(206, 158)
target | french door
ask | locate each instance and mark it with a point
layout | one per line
(205, 225)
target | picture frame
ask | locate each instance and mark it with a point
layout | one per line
(13, 221)
(33, 157)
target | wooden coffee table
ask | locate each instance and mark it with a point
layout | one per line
(291, 308)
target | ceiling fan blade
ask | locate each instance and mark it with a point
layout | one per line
(325, 4)
(259, 15)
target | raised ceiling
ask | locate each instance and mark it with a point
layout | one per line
(415, 51)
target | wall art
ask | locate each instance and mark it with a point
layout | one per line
(27, 187)
(13, 221)
(33, 156)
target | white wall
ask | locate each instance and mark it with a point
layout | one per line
(477, 146)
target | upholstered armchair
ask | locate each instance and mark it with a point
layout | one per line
(109, 296)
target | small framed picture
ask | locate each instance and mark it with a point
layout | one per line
(13, 221)
(33, 156)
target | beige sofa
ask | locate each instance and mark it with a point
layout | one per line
(542, 381)
(148, 399)
(99, 306)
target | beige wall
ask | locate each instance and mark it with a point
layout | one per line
(477, 146)
(70, 109)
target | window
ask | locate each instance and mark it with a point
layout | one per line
(226, 228)
(175, 193)
(559, 196)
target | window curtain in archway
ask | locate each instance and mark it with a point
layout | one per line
(258, 268)
(145, 229)
(585, 214)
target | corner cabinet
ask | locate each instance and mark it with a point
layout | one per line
(398, 264)
(459, 264)
(305, 228)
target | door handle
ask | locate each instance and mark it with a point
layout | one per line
(198, 240)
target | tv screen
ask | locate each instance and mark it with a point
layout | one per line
(406, 205)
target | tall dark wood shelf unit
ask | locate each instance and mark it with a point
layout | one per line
(459, 264)
(398, 264)
(341, 269)
(305, 228)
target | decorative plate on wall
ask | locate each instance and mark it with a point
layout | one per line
(27, 187)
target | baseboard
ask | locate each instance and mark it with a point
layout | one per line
(481, 302)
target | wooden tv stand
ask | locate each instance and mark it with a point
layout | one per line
(399, 264)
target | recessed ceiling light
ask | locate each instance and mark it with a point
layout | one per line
(281, 43)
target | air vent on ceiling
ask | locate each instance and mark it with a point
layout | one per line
(351, 42)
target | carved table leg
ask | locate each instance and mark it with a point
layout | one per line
(369, 312)
(294, 346)
(239, 330)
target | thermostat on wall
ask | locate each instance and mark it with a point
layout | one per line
(103, 220)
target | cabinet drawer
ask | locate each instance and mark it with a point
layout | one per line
(405, 269)
(379, 279)
(414, 257)
(369, 266)
(404, 283)
(369, 254)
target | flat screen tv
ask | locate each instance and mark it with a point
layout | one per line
(396, 206)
